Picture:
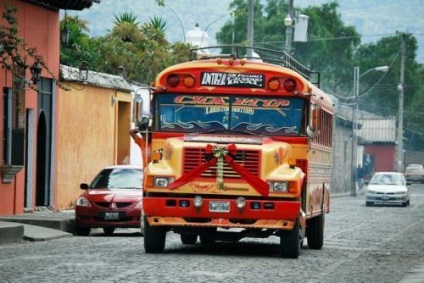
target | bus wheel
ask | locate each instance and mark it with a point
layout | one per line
(188, 239)
(154, 238)
(315, 232)
(290, 242)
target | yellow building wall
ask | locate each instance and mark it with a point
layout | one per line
(92, 133)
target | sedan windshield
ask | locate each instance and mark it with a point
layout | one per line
(260, 115)
(387, 179)
(118, 178)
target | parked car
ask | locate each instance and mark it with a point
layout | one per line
(414, 173)
(112, 200)
(387, 188)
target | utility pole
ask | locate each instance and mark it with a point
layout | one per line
(400, 111)
(250, 17)
(355, 131)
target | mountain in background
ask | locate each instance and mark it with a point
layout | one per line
(372, 19)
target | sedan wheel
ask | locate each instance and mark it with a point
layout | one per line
(82, 231)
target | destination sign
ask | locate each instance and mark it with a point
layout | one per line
(232, 80)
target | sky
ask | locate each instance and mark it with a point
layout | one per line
(373, 19)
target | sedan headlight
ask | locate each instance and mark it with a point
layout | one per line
(139, 204)
(82, 201)
(282, 187)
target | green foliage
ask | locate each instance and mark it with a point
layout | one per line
(387, 52)
(80, 46)
(126, 17)
(142, 50)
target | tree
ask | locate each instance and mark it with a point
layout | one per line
(386, 51)
(80, 46)
(142, 50)
(329, 49)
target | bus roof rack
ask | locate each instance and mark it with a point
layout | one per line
(271, 56)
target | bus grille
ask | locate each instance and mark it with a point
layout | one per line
(249, 159)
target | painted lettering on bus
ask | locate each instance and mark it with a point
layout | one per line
(272, 103)
(223, 101)
(205, 100)
(232, 79)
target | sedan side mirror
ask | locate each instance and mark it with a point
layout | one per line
(84, 186)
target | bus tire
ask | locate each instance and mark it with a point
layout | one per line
(315, 232)
(188, 239)
(154, 238)
(290, 242)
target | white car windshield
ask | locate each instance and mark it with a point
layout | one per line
(387, 179)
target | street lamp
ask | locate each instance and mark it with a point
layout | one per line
(356, 77)
(179, 20)
(214, 21)
(288, 22)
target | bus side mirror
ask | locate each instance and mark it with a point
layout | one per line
(313, 127)
(141, 122)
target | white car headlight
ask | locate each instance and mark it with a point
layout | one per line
(82, 201)
(282, 187)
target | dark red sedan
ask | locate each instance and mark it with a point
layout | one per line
(112, 200)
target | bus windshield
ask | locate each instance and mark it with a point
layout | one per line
(203, 113)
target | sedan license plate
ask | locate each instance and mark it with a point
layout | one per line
(219, 206)
(111, 215)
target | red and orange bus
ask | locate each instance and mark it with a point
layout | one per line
(240, 148)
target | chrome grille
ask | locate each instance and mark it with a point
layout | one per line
(249, 159)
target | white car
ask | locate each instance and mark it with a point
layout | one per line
(387, 188)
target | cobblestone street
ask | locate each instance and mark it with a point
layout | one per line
(362, 244)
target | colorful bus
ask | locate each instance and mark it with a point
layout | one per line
(240, 147)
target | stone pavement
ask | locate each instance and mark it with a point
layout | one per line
(42, 226)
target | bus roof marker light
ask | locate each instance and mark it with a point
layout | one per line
(289, 84)
(274, 84)
(189, 81)
(173, 80)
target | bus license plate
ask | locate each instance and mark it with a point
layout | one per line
(219, 206)
(111, 215)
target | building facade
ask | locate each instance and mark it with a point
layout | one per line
(28, 107)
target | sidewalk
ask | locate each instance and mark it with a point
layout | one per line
(37, 226)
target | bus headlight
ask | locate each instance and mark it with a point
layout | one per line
(281, 187)
(162, 182)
